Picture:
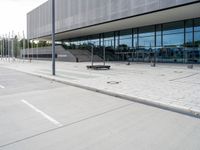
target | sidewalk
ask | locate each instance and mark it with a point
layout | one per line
(169, 86)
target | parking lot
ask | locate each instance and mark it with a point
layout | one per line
(39, 114)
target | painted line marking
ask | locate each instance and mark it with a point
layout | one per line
(42, 113)
(2, 87)
(194, 74)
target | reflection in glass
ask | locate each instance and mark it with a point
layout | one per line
(173, 28)
(109, 40)
(173, 42)
(197, 24)
(94, 40)
(135, 38)
(170, 42)
(125, 40)
(109, 43)
(147, 37)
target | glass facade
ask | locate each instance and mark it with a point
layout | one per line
(176, 42)
(125, 40)
(173, 41)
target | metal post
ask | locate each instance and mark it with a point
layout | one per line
(92, 55)
(18, 47)
(37, 49)
(1, 47)
(23, 52)
(12, 45)
(104, 56)
(6, 47)
(28, 50)
(9, 47)
(33, 42)
(155, 56)
(53, 38)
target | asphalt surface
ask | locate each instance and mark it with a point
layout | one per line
(39, 114)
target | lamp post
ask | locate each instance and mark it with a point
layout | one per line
(1, 46)
(9, 47)
(53, 37)
(12, 45)
(24, 47)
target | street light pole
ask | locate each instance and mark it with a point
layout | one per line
(12, 45)
(53, 37)
(24, 47)
(3, 47)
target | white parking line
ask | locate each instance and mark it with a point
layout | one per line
(43, 114)
(2, 87)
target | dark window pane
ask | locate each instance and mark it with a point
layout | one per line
(94, 40)
(158, 29)
(147, 31)
(135, 38)
(109, 40)
(188, 26)
(125, 39)
(147, 37)
(197, 24)
(173, 28)
(117, 36)
(101, 39)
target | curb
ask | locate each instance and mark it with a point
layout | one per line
(181, 110)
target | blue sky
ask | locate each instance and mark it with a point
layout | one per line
(13, 14)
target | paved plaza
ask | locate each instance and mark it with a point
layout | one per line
(166, 85)
(40, 114)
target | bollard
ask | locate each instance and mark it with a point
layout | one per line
(190, 66)
(153, 64)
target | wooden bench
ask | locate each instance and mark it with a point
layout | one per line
(99, 67)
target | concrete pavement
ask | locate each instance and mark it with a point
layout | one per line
(87, 120)
(168, 86)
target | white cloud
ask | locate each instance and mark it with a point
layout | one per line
(13, 14)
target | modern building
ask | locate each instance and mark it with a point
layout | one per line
(137, 30)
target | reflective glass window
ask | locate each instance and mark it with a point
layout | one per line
(173, 34)
(158, 36)
(197, 24)
(117, 36)
(197, 39)
(189, 39)
(189, 26)
(94, 40)
(101, 39)
(197, 33)
(125, 39)
(173, 42)
(109, 40)
(188, 34)
(173, 28)
(147, 37)
(135, 38)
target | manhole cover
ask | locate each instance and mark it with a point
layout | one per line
(178, 72)
(113, 82)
